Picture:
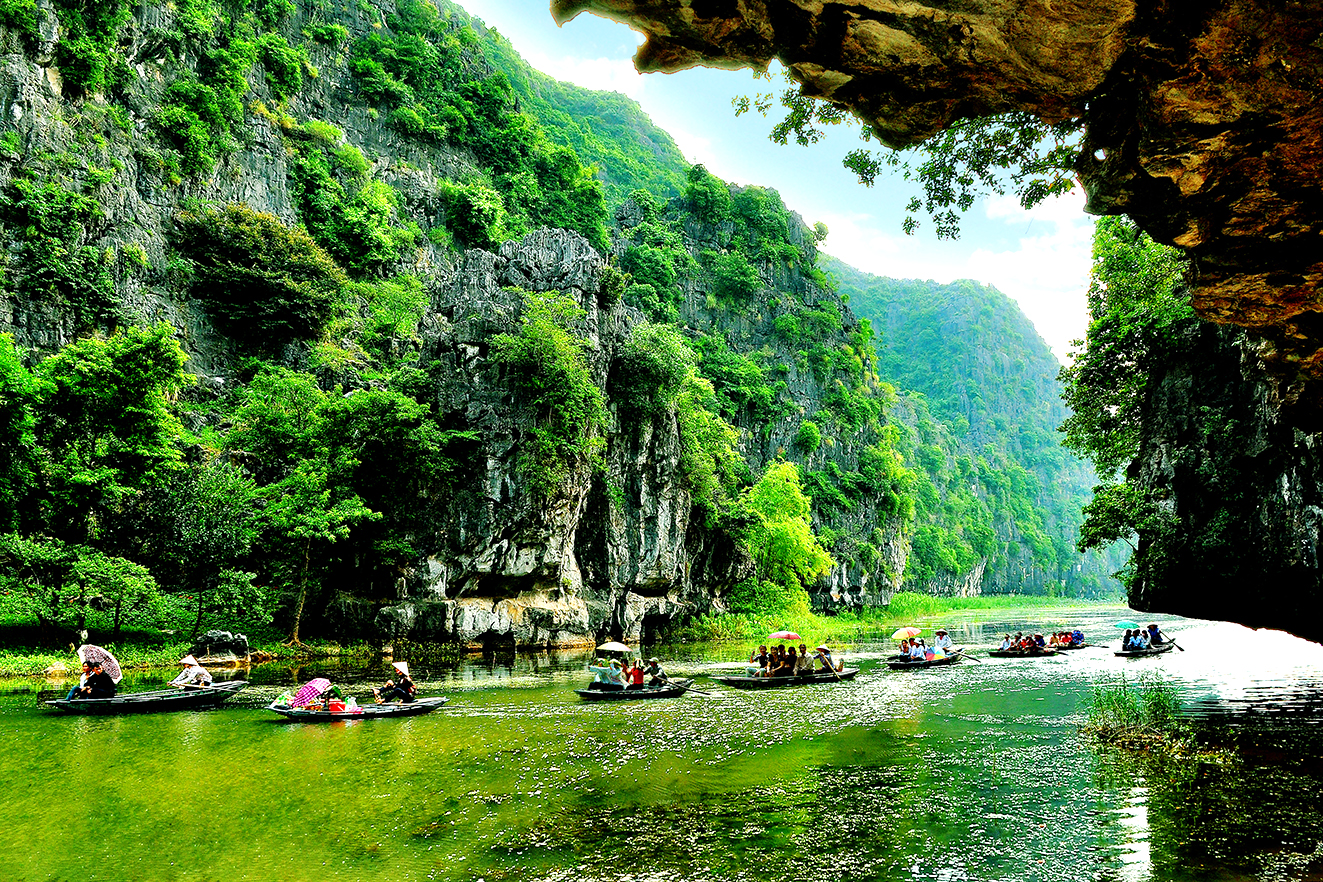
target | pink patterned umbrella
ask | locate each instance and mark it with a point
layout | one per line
(309, 691)
(95, 655)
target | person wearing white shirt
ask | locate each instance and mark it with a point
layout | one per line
(193, 676)
(943, 642)
(916, 651)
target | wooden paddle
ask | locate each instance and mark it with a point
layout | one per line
(961, 653)
(687, 688)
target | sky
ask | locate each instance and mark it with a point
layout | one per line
(1040, 257)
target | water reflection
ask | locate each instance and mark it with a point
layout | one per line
(975, 772)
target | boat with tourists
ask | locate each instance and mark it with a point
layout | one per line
(156, 701)
(599, 692)
(331, 711)
(1032, 652)
(756, 682)
(1159, 649)
(911, 664)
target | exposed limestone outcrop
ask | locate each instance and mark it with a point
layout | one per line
(1202, 119)
(1239, 490)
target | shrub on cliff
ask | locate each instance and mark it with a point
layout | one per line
(265, 283)
(547, 363)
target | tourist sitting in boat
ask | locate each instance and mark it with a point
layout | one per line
(1006, 643)
(193, 676)
(1137, 640)
(943, 642)
(1039, 642)
(402, 688)
(758, 662)
(916, 650)
(804, 665)
(634, 674)
(1156, 637)
(610, 676)
(1055, 639)
(655, 673)
(98, 685)
(1077, 637)
(82, 681)
(786, 664)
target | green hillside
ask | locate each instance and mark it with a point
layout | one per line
(982, 405)
(606, 129)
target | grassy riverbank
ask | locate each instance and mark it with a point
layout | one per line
(23, 654)
(905, 608)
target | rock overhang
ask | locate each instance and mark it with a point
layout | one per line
(1201, 118)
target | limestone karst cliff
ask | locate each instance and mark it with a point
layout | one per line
(1200, 122)
(350, 202)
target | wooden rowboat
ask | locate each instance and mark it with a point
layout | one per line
(670, 690)
(362, 712)
(158, 701)
(898, 664)
(777, 682)
(1152, 650)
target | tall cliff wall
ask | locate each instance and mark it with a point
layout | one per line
(618, 550)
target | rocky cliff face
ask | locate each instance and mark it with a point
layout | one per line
(617, 551)
(1201, 123)
(1238, 490)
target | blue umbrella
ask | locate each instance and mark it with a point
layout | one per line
(1129, 625)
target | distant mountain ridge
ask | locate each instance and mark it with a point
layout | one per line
(978, 390)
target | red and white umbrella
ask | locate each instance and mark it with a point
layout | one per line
(784, 635)
(907, 633)
(95, 655)
(310, 691)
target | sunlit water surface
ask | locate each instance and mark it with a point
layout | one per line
(972, 772)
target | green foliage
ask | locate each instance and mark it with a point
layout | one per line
(650, 369)
(394, 311)
(89, 37)
(23, 17)
(18, 442)
(547, 363)
(707, 197)
(1138, 302)
(709, 459)
(429, 71)
(265, 283)
(781, 536)
(733, 279)
(199, 113)
(475, 214)
(54, 228)
(60, 582)
(809, 436)
(1127, 713)
(740, 383)
(971, 158)
(283, 64)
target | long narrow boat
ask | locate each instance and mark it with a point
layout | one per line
(1037, 652)
(1065, 647)
(776, 682)
(670, 690)
(157, 701)
(362, 712)
(1151, 650)
(897, 664)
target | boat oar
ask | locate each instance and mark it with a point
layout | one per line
(963, 654)
(688, 688)
(1178, 646)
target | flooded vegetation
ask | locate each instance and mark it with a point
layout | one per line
(978, 771)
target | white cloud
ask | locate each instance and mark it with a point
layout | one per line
(1048, 274)
(599, 74)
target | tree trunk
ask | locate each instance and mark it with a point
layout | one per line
(119, 607)
(303, 595)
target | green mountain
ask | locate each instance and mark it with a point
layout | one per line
(999, 498)
(608, 131)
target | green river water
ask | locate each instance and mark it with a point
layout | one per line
(971, 772)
